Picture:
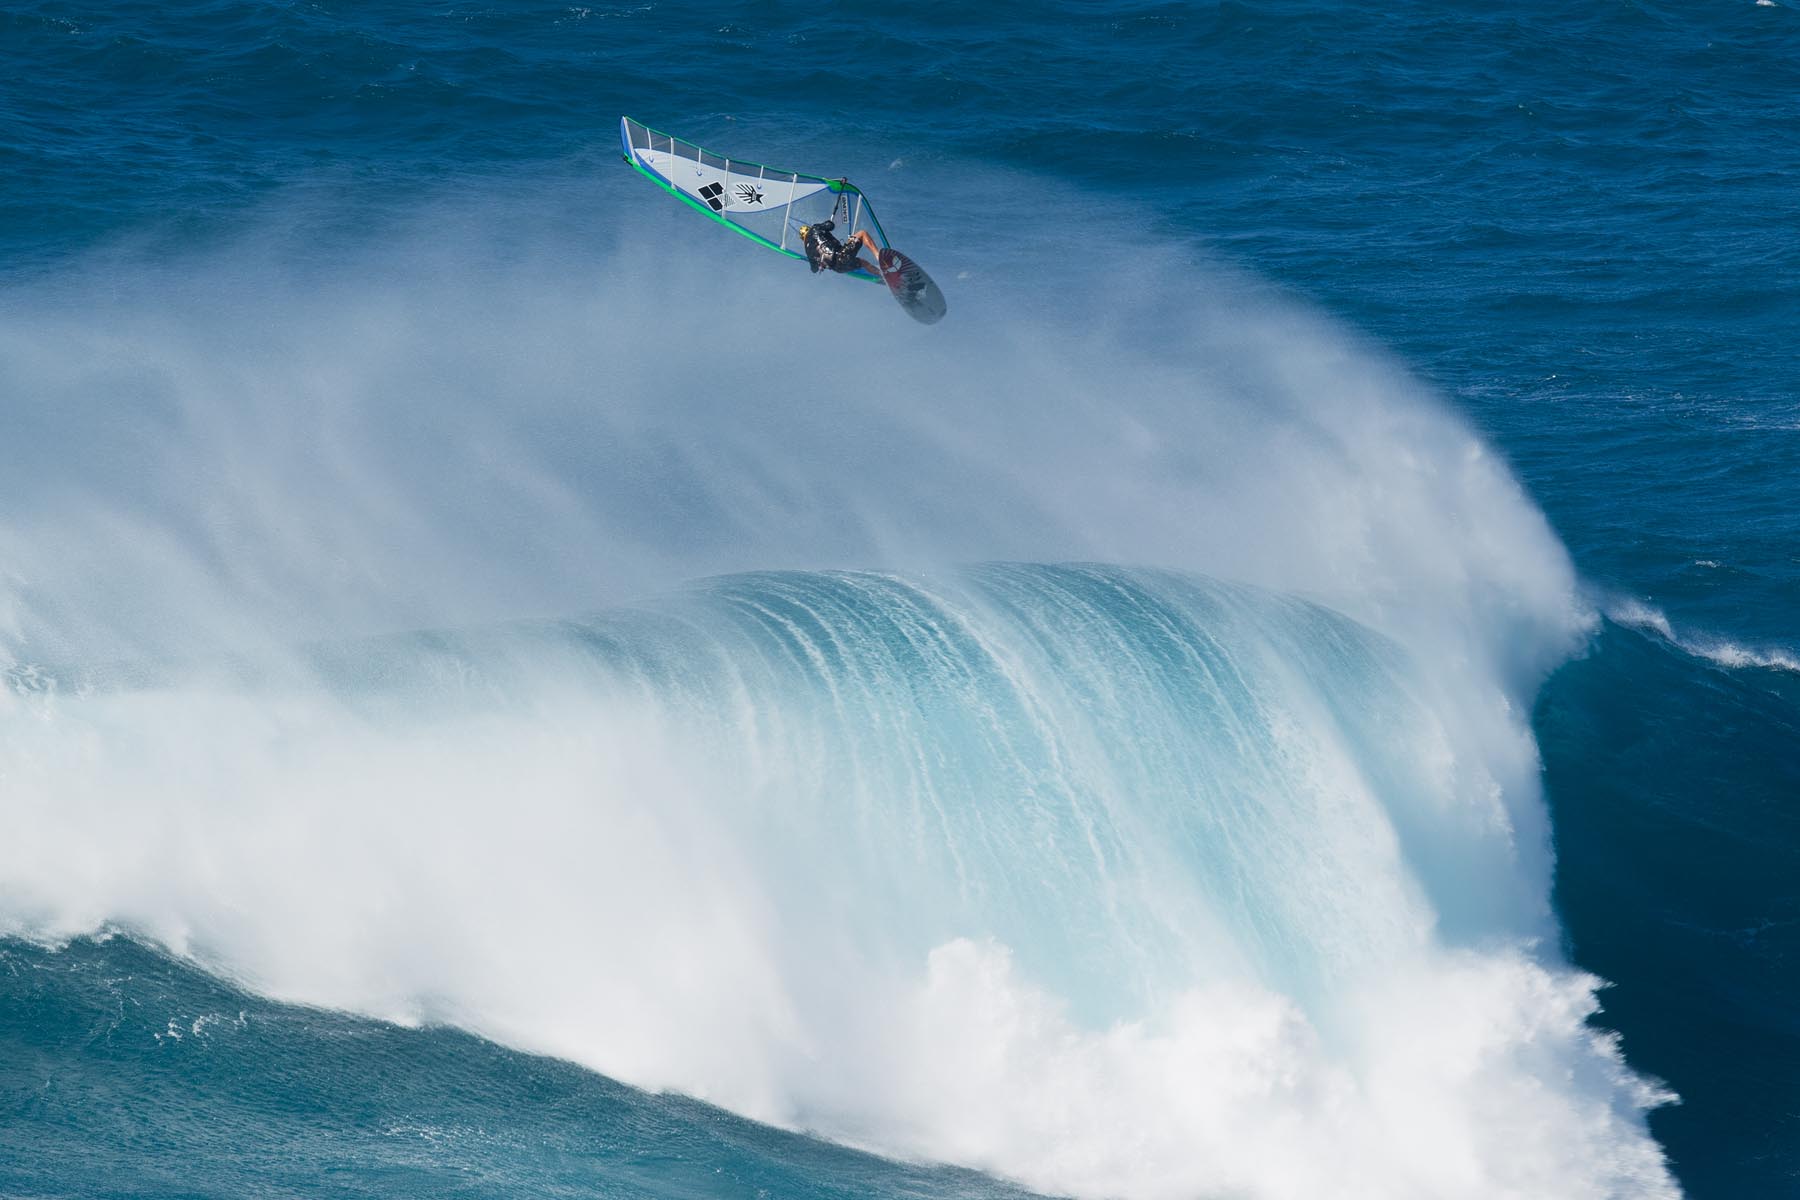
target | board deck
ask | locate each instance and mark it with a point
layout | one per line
(912, 287)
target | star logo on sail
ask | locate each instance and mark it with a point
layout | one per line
(749, 193)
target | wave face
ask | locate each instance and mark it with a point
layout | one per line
(1112, 881)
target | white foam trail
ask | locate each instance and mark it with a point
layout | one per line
(1636, 614)
(233, 454)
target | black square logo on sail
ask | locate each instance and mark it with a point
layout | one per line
(711, 193)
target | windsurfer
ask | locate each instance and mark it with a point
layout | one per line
(825, 253)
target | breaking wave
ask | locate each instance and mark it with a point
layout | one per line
(1191, 845)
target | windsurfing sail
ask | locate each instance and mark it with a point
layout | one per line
(765, 204)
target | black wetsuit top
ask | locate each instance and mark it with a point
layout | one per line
(825, 253)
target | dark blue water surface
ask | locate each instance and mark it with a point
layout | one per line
(1579, 222)
(129, 1074)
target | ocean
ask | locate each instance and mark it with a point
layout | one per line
(1291, 690)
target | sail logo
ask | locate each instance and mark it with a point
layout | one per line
(741, 193)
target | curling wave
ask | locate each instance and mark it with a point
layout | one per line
(1118, 880)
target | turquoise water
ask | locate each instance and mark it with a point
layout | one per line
(1424, 373)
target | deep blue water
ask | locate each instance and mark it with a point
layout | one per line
(1576, 224)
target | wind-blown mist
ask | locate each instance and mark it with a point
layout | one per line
(455, 420)
(1118, 878)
